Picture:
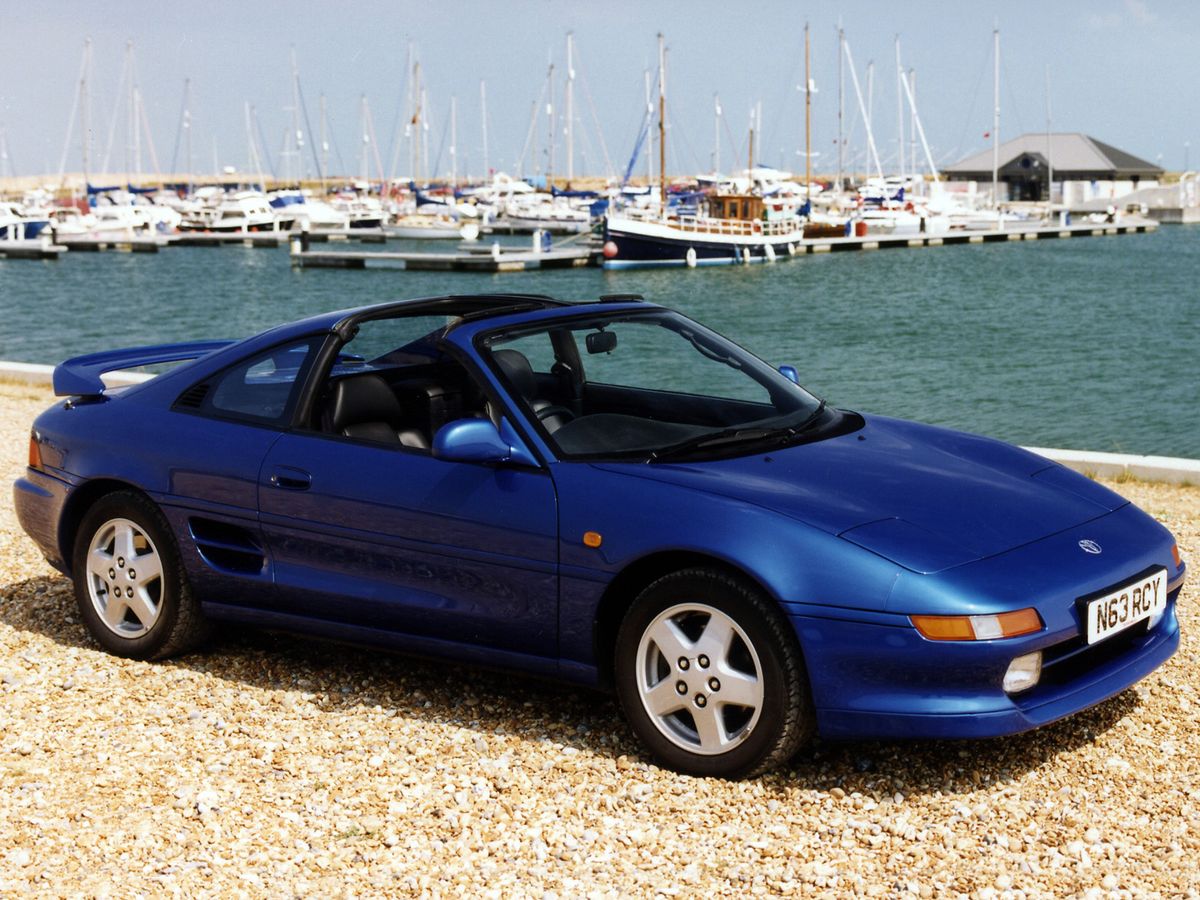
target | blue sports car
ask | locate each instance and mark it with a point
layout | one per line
(603, 492)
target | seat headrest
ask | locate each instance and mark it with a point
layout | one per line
(363, 398)
(517, 370)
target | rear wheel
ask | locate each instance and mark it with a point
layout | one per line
(129, 583)
(710, 676)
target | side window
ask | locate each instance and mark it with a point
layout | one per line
(536, 348)
(261, 389)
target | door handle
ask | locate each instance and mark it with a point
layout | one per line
(291, 479)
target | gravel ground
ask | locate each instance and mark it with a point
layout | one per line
(271, 765)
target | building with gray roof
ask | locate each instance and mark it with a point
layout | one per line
(1074, 167)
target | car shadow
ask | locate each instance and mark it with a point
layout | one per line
(338, 677)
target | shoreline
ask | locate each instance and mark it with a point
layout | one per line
(1093, 463)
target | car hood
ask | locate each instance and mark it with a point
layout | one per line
(926, 498)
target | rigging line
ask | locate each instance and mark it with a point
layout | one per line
(62, 163)
(671, 120)
(112, 125)
(782, 105)
(645, 119)
(437, 160)
(179, 129)
(392, 145)
(537, 105)
(374, 147)
(587, 92)
(141, 104)
(337, 152)
(263, 145)
(312, 140)
(985, 58)
(734, 144)
(1012, 100)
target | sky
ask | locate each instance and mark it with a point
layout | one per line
(1123, 71)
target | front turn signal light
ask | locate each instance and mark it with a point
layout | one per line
(1175, 555)
(978, 628)
(35, 452)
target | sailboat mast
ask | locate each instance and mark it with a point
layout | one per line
(807, 121)
(418, 96)
(750, 152)
(453, 141)
(297, 134)
(487, 169)
(187, 128)
(649, 117)
(900, 112)
(841, 107)
(1049, 145)
(716, 134)
(662, 124)
(912, 120)
(324, 144)
(424, 133)
(996, 118)
(570, 107)
(365, 138)
(85, 112)
(550, 128)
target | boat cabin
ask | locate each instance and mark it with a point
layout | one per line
(736, 206)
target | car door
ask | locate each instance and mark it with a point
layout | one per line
(393, 539)
(218, 434)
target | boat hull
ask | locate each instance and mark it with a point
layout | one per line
(640, 245)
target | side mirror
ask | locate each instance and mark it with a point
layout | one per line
(478, 440)
(790, 373)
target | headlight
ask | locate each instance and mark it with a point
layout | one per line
(978, 628)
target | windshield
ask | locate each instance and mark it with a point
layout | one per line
(652, 385)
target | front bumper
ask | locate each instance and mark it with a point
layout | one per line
(906, 687)
(874, 676)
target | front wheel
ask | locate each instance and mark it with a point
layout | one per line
(710, 676)
(129, 582)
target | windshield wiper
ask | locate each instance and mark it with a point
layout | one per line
(736, 435)
(719, 439)
(813, 416)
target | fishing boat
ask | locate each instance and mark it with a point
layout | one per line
(725, 227)
(737, 228)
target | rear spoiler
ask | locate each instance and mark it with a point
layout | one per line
(80, 376)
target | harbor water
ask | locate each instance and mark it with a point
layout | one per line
(1087, 343)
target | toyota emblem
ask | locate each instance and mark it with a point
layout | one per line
(1089, 547)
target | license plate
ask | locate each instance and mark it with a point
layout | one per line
(1126, 606)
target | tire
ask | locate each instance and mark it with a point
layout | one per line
(130, 586)
(710, 676)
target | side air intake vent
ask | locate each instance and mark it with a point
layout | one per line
(193, 397)
(228, 547)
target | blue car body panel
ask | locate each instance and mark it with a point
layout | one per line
(850, 535)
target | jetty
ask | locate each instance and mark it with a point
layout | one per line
(879, 242)
(31, 249)
(493, 259)
(83, 244)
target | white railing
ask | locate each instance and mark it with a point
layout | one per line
(734, 227)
